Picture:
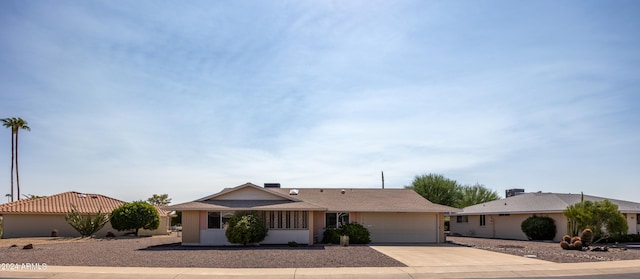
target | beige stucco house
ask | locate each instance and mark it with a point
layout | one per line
(40, 216)
(301, 215)
(502, 218)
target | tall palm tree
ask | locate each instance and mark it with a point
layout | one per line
(15, 123)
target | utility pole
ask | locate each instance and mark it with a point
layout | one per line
(382, 179)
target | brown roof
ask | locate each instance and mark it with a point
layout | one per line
(367, 200)
(331, 199)
(63, 202)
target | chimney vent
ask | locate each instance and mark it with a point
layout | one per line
(272, 185)
(513, 192)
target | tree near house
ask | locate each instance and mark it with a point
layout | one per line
(436, 188)
(441, 190)
(135, 216)
(16, 124)
(602, 217)
(162, 199)
(476, 194)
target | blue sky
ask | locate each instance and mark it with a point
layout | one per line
(132, 98)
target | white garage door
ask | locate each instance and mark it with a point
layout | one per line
(401, 227)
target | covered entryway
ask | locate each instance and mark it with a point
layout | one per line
(400, 227)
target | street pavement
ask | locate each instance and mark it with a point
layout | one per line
(429, 261)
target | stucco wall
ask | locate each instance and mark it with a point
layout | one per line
(41, 225)
(508, 227)
(30, 225)
(632, 222)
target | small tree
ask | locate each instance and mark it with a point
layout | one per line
(246, 227)
(539, 228)
(135, 216)
(86, 225)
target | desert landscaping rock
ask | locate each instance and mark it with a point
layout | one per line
(548, 251)
(167, 252)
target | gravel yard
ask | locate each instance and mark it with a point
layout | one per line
(167, 252)
(548, 251)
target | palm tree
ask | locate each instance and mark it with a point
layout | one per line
(15, 123)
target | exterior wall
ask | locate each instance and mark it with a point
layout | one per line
(401, 227)
(507, 227)
(632, 222)
(249, 193)
(40, 225)
(441, 238)
(318, 225)
(163, 229)
(190, 227)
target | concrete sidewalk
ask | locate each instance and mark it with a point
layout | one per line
(421, 261)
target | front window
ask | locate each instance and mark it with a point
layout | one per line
(285, 220)
(336, 219)
(638, 219)
(213, 220)
(483, 220)
(462, 219)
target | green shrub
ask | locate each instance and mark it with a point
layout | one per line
(134, 216)
(85, 224)
(357, 233)
(539, 228)
(246, 227)
(331, 236)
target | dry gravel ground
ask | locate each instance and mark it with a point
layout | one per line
(548, 251)
(167, 252)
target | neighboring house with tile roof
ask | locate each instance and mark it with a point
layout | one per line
(40, 216)
(502, 218)
(301, 215)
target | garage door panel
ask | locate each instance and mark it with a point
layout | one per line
(400, 227)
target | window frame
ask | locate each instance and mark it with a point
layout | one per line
(341, 219)
(483, 220)
(462, 219)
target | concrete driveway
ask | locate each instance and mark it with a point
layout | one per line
(451, 256)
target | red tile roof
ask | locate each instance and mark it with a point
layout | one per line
(63, 202)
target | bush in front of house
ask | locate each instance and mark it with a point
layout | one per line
(84, 223)
(357, 234)
(331, 236)
(135, 216)
(246, 227)
(539, 228)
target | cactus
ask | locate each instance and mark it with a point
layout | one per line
(571, 243)
(586, 237)
(577, 245)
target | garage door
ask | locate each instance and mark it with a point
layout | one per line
(400, 227)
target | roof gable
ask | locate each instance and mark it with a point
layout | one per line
(248, 191)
